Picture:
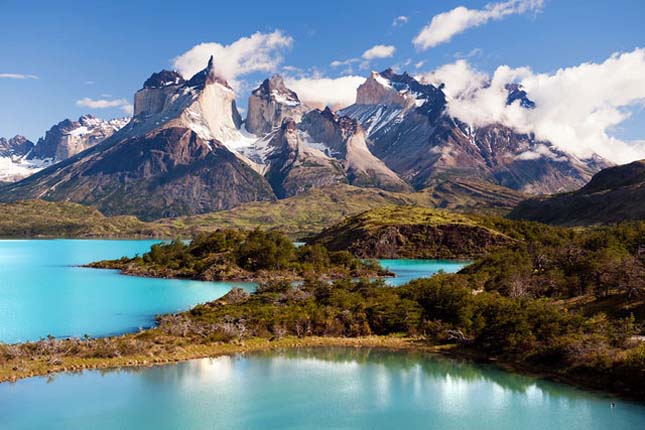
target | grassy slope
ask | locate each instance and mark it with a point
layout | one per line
(412, 232)
(37, 218)
(613, 195)
(298, 216)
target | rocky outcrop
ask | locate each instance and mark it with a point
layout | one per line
(270, 104)
(170, 160)
(15, 147)
(516, 92)
(205, 104)
(344, 140)
(407, 127)
(68, 137)
(614, 194)
(294, 167)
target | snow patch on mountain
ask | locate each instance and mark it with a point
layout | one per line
(12, 170)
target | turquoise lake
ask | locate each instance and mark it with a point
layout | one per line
(309, 389)
(44, 292)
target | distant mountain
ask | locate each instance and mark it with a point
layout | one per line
(270, 104)
(169, 160)
(13, 166)
(187, 149)
(15, 147)
(20, 157)
(408, 128)
(69, 137)
(614, 194)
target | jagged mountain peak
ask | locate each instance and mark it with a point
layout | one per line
(208, 76)
(163, 79)
(276, 89)
(68, 137)
(517, 92)
(204, 104)
(15, 147)
(270, 104)
(339, 127)
(403, 90)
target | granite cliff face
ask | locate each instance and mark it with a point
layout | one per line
(270, 104)
(294, 167)
(169, 160)
(397, 137)
(70, 137)
(15, 147)
(408, 128)
(205, 104)
(344, 139)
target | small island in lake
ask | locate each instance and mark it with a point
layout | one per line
(560, 302)
(238, 255)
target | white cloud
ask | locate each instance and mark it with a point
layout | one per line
(17, 76)
(399, 20)
(444, 26)
(379, 51)
(320, 92)
(122, 104)
(460, 80)
(338, 63)
(575, 106)
(475, 52)
(260, 52)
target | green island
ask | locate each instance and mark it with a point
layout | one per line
(566, 303)
(239, 255)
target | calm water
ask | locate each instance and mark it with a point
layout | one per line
(339, 389)
(407, 270)
(43, 293)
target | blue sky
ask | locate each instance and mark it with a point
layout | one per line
(105, 50)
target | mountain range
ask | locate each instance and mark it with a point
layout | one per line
(187, 150)
(20, 157)
(614, 194)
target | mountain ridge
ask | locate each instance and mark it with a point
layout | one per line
(614, 194)
(397, 137)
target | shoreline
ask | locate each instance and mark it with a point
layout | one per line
(42, 367)
(252, 277)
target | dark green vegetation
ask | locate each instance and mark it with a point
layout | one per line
(300, 216)
(243, 256)
(560, 300)
(413, 232)
(569, 302)
(563, 301)
(614, 194)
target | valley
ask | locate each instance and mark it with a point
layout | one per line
(322, 215)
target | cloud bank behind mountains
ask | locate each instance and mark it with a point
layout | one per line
(576, 107)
